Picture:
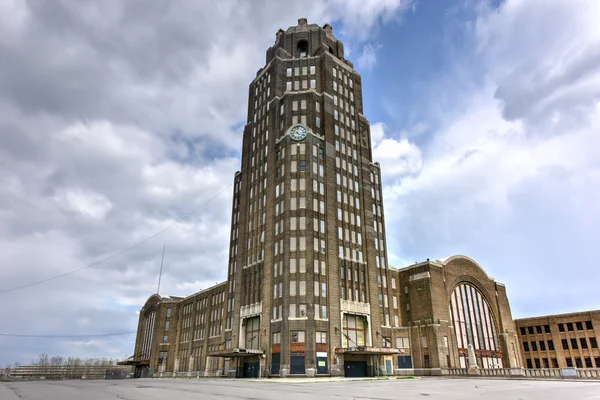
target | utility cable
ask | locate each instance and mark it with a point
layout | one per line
(118, 253)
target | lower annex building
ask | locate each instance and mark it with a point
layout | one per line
(443, 306)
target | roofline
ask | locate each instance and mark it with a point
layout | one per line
(558, 315)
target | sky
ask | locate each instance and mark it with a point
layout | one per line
(118, 118)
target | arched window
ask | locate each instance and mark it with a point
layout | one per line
(302, 48)
(474, 324)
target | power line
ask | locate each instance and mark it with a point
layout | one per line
(66, 336)
(120, 252)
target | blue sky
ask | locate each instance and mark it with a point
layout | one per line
(485, 118)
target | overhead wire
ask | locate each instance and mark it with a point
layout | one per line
(103, 260)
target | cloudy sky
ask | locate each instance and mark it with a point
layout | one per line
(117, 118)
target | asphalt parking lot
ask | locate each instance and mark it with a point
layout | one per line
(183, 389)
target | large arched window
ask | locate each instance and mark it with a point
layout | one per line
(474, 324)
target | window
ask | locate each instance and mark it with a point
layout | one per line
(165, 339)
(168, 312)
(550, 345)
(312, 69)
(302, 52)
(561, 327)
(583, 343)
(574, 344)
(569, 361)
(579, 326)
(288, 86)
(529, 365)
(588, 325)
(523, 331)
(297, 337)
(534, 346)
(530, 330)
(565, 344)
(277, 338)
(588, 362)
(538, 329)
(547, 328)
(321, 337)
(302, 165)
(597, 360)
(542, 345)
(167, 326)
(386, 342)
(289, 72)
(313, 83)
(578, 363)
(593, 343)
(537, 363)
(570, 327)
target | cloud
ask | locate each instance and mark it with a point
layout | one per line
(398, 158)
(510, 173)
(116, 119)
(368, 57)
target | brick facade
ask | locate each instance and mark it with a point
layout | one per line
(559, 341)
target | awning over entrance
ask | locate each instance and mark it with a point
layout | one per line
(237, 352)
(134, 362)
(368, 350)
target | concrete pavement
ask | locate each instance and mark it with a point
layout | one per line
(277, 389)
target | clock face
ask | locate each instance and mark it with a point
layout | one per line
(298, 132)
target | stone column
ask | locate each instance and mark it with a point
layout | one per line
(473, 367)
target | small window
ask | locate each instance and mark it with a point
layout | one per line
(538, 329)
(523, 331)
(574, 344)
(526, 346)
(547, 328)
(583, 343)
(597, 359)
(588, 325)
(537, 363)
(593, 343)
(302, 165)
(579, 326)
(165, 339)
(534, 346)
(550, 345)
(588, 362)
(529, 365)
(578, 363)
(530, 330)
(542, 345)
(561, 327)
(570, 327)
(569, 361)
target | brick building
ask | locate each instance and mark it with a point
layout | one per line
(559, 341)
(309, 289)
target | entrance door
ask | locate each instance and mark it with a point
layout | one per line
(321, 365)
(388, 367)
(355, 368)
(297, 363)
(251, 369)
(275, 363)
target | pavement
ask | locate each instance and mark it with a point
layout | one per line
(296, 388)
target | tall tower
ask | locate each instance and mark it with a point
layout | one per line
(308, 274)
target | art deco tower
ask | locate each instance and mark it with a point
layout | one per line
(308, 272)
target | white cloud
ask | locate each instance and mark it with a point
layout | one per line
(368, 57)
(511, 173)
(398, 158)
(116, 120)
